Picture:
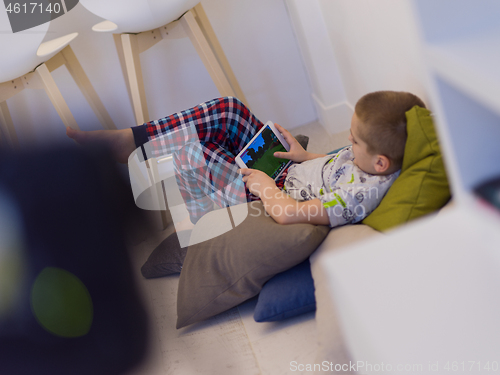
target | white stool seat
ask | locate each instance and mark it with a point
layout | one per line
(105, 27)
(50, 48)
(135, 16)
(19, 49)
(27, 63)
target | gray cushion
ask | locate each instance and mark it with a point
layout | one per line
(166, 258)
(303, 140)
(225, 271)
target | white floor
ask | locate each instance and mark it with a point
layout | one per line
(232, 342)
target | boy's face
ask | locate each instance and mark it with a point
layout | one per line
(362, 158)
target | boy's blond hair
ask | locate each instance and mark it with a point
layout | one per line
(383, 129)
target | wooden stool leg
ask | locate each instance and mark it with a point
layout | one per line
(166, 219)
(206, 54)
(7, 125)
(55, 96)
(121, 57)
(134, 74)
(208, 32)
(158, 193)
(83, 82)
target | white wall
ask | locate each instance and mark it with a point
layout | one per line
(328, 92)
(256, 36)
(352, 48)
(376, 46)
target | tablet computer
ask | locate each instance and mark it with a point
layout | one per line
(259, 152)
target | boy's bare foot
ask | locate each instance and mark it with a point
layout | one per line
(121, 142)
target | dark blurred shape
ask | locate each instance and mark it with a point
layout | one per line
(25, 14)
(70, 4)
(76, 210)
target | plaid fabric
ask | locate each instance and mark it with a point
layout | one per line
(204, 141)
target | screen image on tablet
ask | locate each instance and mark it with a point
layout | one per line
(259, 153)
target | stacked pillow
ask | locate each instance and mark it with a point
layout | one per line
(225, 271)
(221, 273)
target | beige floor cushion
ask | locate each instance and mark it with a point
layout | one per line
(225, 271)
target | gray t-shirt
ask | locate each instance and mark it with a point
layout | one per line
(347, 193)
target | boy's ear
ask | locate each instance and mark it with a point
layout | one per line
(382, 164)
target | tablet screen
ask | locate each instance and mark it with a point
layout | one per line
(259, 154)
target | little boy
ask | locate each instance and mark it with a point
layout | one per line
(322, 189)
(345, 187)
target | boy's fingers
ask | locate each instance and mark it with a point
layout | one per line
(245, 171)
(281, 129)
(287, 135)
(282, 155)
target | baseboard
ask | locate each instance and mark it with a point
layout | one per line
(335, 118)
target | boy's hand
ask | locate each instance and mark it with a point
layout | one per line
(257, 181)
(296, 153)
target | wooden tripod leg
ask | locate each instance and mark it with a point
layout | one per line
(157, 189)
(121, 57)
(166, 219)
(206, 54)
(208, 32)
(134, 75)
(55, 96)
(83, 82)
(7, 125)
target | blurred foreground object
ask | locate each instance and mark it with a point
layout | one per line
(68, 300)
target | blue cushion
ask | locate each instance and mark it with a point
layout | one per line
(287, 294)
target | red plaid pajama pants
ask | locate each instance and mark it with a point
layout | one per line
(204, 141)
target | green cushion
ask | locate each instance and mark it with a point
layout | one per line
(422, 186)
